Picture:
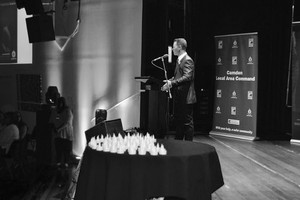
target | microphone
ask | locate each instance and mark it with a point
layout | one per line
(170, 54)
(161, 57)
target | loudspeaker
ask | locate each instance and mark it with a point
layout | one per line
(29, 88)
(100, 115)
(40, 28)
(29, 91)
(32, 7)
(296, 11)
(21, 3)
(104, 128)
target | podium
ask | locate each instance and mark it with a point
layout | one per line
(149, 82)
(154, 106)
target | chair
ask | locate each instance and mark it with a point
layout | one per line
(15, 159)
(7, 159)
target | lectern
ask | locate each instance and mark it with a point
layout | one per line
(154, 106)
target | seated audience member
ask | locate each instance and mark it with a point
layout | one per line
(9, 133)
(1, 121)
(22, 126)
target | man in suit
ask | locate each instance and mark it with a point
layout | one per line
(184, 91)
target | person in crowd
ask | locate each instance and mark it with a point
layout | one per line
(9, 132)
(22, 126)
(184, 93)
(1, 121)
(63, 136)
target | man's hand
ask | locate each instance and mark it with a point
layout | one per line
(166, 86)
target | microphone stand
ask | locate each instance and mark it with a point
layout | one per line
(169, 91)
(166, 77)
(168, 99)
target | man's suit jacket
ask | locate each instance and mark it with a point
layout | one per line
(183, 80)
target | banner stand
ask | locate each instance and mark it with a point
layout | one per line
(295, 77)
(293, 141)
(243, 137)
(236, 82)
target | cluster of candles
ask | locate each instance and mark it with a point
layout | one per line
(133, 144)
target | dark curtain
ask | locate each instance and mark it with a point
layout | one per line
(199, 21)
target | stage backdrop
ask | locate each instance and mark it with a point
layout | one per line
(296, 83)
(235, 107)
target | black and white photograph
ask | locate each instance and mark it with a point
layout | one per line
(149, 100)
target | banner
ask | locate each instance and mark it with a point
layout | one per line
(235, 107)
(296, 83)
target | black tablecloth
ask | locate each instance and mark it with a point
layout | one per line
(190, 170)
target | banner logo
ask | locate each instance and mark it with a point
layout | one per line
(250, 61)
(251, 42)
(234, 95)
(235, 44)
(220, 44)
(219, 93)
(233, 122)
(219, 61)
(234, 60)
(13, 54)
(249, 114)
(233, 110)
(218, 110)
(250, 95)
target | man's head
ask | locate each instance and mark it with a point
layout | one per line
(179, 46)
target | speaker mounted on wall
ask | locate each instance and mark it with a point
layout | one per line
(40, 28)
(32, 7)
(40, 25)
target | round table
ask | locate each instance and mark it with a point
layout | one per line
(190, 170)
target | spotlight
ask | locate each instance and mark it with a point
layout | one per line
(100, 115)
(52, 95)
